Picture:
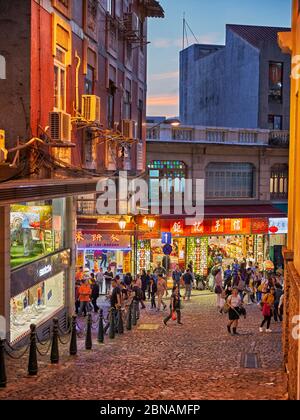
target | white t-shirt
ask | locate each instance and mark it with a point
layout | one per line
(234, 301)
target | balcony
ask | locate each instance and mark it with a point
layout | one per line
(213, 135)
(279, 138)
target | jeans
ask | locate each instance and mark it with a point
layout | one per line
(153, 304)
(258, 296)
(188, 291)
(94, 302)
(267, 319)
(84, 307)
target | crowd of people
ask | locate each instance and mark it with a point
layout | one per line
(243, 283)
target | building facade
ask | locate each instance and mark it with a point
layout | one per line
(245, 175)
(245, 83)
(290, 43)
(72, 101)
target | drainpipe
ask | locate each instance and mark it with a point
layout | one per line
(77, 81)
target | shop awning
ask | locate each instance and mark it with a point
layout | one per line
(232, 212)
(153, 9)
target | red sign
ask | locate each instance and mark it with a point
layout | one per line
(259, 226)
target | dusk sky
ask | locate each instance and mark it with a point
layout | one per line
(207, 19)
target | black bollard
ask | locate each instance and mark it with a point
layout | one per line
(129, 318)
(134, 318)
(88, 338)
(73, 342)
(112, 323)
(32, 363)
(101, 328)
(120, 322)
(3, 378)
(54, 357)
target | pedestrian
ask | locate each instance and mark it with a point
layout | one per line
(227, 275)
(176, 276)
(148, 289)
(145, 279)
(128, 279)
(137, 296)
(234, 301)
(267, 310)
(153, 291)
(100, 280)
(95, 295)
(161, 290)
(108, 276)
(219, 289)
(79, 274)
(281, 303)
(188, 283)
(277, 297)
(84, 292)
(241, 285)
(115, 303)
(174, 306)
(77, 301)
(160, 271)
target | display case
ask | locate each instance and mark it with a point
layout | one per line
(36, 305)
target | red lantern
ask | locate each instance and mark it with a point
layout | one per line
(273, 229)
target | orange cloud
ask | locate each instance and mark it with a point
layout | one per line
(164, 76)
(163, 100)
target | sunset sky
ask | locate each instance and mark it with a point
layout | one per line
(207, 18)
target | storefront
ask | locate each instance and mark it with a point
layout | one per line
(278, 229)
(200, 244)
(38, 293)
(96, 250)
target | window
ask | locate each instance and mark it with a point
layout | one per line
(170, 171)
(111, 104)
(127, 100)
(60, 76)
(229, 180)
(275, 82)
(89, 81)
(111, 7)
(140, 119)
(275, 122)
(279, 182)
(64, 6)
(179, 134)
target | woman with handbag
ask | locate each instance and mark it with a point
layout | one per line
(267, 310)
(234, 302)
(174, 307)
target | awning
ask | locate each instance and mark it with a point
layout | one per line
(232, 212)
(154, 9)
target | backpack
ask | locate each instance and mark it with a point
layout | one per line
(139, 293)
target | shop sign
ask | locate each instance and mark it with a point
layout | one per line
(166, 238)
(279, 225)
(217, 226)
(177, 228)
(259, 226)
(26, 277)
(94, 240)
(197, 228)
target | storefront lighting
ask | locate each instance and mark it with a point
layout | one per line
(145, 221)
(122, 224)
(151, 223)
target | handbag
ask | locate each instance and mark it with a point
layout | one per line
(226, 307)
(266, 310)
(174, 316)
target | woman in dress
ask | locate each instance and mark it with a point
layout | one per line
(234, 301)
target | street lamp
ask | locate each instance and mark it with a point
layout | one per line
(122, 224)
(151, 223)
(174, 122)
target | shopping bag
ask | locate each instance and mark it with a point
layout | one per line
(174, 316)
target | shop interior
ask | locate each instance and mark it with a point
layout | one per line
(118, 260)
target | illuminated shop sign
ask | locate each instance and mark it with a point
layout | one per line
(279, 225)
(45, 270)
(96, 240)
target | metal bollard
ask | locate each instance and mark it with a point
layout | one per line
(54, 357)
(120, 322)
(3, 378)
(112, 323)
(32, 363)
(88, 338)
(73, 342)
(101, 328)
(129, 318)
(134, 318)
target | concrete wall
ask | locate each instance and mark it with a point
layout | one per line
(15, 89)
(228, 87)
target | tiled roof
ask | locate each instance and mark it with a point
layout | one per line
(256, 35)
(154, 9)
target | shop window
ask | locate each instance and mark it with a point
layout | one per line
(36, 229)
(229, 180)
(275, 122)
(275, 82)
(38, 303)
(279, 182)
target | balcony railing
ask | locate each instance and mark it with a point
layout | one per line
(279, 138)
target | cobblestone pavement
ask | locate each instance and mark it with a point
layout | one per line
(196, 361)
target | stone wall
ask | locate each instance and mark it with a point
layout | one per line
(291, 345)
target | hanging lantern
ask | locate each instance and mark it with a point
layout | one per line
(273, 229)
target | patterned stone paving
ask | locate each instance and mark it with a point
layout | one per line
(196, 361)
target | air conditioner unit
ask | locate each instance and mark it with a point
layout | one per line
(60, 126)
(131, 22)
(129, 129)
(91, 108)
(3, 151)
